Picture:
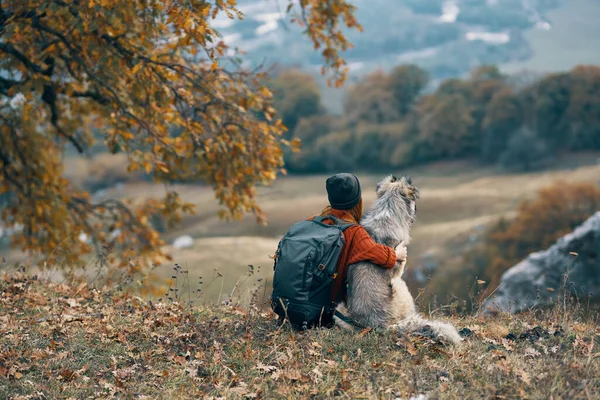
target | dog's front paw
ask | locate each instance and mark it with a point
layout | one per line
(401, 267)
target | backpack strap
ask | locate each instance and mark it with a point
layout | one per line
(342, 225)
(347, 320)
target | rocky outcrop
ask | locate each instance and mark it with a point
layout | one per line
(539, 279)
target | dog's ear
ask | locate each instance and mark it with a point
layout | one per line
(393, 178)
(412, 192)
(409, 190)
(383, 185)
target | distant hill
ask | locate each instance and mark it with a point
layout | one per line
(573, 39)
(448, 37)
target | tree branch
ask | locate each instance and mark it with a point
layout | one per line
(94, 95)
(10, 49)
(6, 84)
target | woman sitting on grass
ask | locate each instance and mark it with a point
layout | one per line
(345, 203)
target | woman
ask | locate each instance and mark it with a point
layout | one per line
(345, 203)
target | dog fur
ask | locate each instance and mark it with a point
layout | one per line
(379, 297)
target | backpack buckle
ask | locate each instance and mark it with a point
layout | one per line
(322, 267)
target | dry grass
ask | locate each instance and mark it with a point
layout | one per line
(450, 206)
(100, 171)
(72, 341)
(455, 199)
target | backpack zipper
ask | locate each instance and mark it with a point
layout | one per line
(306, 267)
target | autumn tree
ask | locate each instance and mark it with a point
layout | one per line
(445, 124)
(501, 119)
(583, 113)
(545, 108)
(371, 100)
(296, 95)
(406, 83)
(155, 79)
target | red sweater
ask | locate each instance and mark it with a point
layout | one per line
(359, 247)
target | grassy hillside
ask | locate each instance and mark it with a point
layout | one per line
(456, 198)
(72, 341)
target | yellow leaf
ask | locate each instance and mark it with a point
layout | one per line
(270, 175)
(127, 135)
(214, 65)
(133, 167)
(265, 92)
(136, 67)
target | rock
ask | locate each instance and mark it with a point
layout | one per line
(558, 332)
(465, 332)
(538, 280)
(183, 242)
(534, 334)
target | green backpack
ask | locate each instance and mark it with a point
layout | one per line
(305, 269)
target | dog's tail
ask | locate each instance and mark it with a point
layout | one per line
(417, 324)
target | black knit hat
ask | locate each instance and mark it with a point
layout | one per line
(343, 191)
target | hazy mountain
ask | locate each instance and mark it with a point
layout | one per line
(448, 37)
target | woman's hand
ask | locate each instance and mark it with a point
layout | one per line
(401, 252)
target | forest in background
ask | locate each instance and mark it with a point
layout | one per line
(518, 122)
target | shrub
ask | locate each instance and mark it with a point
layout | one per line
(556, 211)
(365, 147)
